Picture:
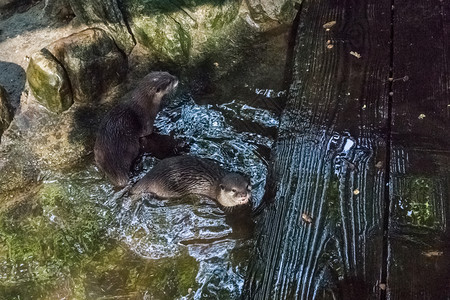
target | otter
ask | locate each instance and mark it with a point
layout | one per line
(118, 140)
(179, 176)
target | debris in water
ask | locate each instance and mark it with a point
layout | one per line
(328, 25)
(356, 192)
(329, 44)
(432, 253)
(382, 286)
(307, 218)
(379, 165)
(422, 116)
(355, 54)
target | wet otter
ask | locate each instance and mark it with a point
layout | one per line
(117, 144)
(184, 175)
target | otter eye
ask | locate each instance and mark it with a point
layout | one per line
(222, 186)
(233, 190)
(158, 90)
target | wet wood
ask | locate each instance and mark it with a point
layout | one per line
(419, 237)
(329, 161)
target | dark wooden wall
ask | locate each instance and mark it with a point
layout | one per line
(360, 206)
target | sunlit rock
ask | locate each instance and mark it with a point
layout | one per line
(107, 16)
(5, 111)
(272, 11)
(178, 31)
(92, 61)
(49, 82)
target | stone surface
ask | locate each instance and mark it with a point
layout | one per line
(179, 31)
(49, 82)
(5, 111)
(107, 16)
(272, 11)
(92, 62)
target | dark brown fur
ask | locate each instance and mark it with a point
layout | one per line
(117, 143)
(183, 175)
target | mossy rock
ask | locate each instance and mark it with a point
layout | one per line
(92, 61)
(272, 11)
(49, 82)
(106, 15)
(178, 31)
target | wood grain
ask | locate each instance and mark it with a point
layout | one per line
(328, 163)
(419, 238)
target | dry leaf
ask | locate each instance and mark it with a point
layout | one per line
(382, 286)
(328, 25)
(307, 218)
(433, 253)
(355, 54)
(356, 192)
(422, 116)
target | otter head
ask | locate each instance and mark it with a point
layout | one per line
(234, 189)
(160, 84)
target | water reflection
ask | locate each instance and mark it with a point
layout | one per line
(197, 227)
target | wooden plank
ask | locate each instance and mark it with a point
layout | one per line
(329, 160)
(419, 236)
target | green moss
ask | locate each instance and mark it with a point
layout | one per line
(48, 241)
(417, 202)
(49, 82)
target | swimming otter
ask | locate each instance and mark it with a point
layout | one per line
(117, 144)
(184, 175)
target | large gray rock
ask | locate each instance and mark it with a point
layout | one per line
(107, 16)
(83, 66)
(92, 61)
(5, 111)
(272, 12)
(179, 31)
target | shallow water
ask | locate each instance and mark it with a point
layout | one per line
(77, 238)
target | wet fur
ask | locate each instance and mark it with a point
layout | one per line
(117, 144)
(184, 175)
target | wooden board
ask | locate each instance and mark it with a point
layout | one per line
(419, 237)
(322, 236)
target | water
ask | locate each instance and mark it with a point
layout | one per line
(75, 238)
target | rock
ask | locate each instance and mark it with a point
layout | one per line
(8, 7)
(271, 13)
(92, 61)
(175, 32)
(81, 67)
(58, 9)
(49, 82)
(5, 111)
(107, 16)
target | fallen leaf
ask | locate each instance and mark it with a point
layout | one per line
(382, 286)
(355, 54)
(422, 116)
(307, 218)
(433, 253)
(328, 25)
(356, 192)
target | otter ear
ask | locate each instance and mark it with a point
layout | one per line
(158, 90)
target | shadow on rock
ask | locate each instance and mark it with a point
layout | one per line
(86, 121)
(12, 78)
